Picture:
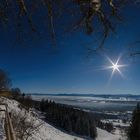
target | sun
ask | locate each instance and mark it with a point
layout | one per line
(115, 66)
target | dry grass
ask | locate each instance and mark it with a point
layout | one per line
(5, 93)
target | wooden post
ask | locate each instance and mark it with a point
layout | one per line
(11, 128)
(8, 125)
(7, 130)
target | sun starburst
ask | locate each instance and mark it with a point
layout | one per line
(115, 66)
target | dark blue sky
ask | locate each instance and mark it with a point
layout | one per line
(38, 67)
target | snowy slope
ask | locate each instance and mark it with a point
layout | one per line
(104, 135)
(47, 131)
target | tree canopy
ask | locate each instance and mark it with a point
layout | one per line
(89, 15)
(5, 82)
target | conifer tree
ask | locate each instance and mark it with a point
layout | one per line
(134, 130)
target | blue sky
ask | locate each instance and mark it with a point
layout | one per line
(40, 68)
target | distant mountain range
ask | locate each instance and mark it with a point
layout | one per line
(90, 95)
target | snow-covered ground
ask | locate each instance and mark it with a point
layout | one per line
(104, 135)
(2, 118)
(117, 122)
(47, 131)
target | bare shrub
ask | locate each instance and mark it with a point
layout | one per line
(25, 125)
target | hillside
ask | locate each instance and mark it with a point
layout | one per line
(47, 131)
